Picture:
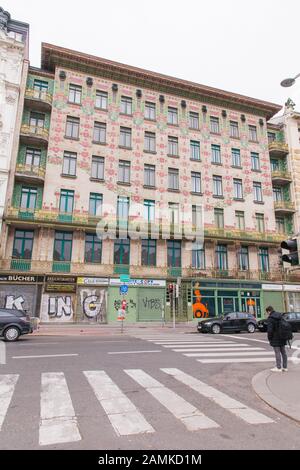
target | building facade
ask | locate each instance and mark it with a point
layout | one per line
(107, 148)
(13, 71)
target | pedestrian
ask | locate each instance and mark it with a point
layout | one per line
(276, 341)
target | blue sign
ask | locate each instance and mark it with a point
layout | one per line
(123, 290)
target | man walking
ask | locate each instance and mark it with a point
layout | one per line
(275, 339)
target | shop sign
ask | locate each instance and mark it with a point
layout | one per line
(66, 288)
(61, 279)
(92, 281)
(272, 287)
(292, 288)
(140, 282)
(23, 278)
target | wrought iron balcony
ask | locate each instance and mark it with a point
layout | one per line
(20, 264)
(121, 269)
(243, 235)
(61, 266)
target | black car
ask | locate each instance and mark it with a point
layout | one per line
(14, 323)
(292, 317)
(234, 321)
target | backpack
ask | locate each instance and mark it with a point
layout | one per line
(285, 330)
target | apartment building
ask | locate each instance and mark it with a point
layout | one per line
(109, 148)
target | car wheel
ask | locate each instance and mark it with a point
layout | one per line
(250, 328)
(11, 334)
(216, 329)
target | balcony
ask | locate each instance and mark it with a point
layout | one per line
(250, 275)
(34, 135)
(121, 269)
(278, 149)
(281, 177)
(39, 100)
(242, 235)
(30, 173)
(174, 272)
(61, 266)
(20, 264)
(284, 207)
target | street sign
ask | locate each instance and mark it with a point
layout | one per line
(124, 278)
(123, 289)
(121, 314)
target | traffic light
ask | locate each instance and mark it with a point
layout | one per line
(170, 288)
(292, 246)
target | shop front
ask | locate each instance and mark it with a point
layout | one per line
(21, 292)
(92, 300)
(58, 299)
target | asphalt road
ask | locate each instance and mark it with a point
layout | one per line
(125, 392)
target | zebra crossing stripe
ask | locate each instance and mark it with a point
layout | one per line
(123, 415)
(58, 422)
(201, 343)
(220, 351)
(7, 387)
(191, 417)
(236, 360)
(249, 415)
(209, 345)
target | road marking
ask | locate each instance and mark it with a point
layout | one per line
(169, 343)
(247, 414)
(123, 415)
(136, 352)
(248, 339)
(209, 345)
(44, 355)
(220, 353)
(27, 343)
(58, 421)
(190, 416)
(7, 387)
(231, 360)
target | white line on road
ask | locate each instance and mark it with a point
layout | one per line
(135, 352)
(241, 359)
(208, 345)
(44, 355)
(122, 413)
(220, 353)
(190, 416)
(193, 342)
(58, 421)
(248, 339)
(7, 387)
(225, 401)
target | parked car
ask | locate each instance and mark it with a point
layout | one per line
(292, 317)
(14, 323)
(234, 321)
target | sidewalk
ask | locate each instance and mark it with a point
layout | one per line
(280, 390)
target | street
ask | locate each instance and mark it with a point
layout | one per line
(150, 389)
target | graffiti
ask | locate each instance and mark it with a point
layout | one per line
(13, 302)
(199, 309)
(92, 304)
(152, 304)
(59, 306)
(130, 304)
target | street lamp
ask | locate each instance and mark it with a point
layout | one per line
(287, 82)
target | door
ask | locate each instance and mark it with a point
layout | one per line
(151, 302)
(5, 319)
(229, 321)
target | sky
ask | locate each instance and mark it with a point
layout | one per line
(243, 46)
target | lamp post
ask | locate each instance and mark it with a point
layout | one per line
(287, 82)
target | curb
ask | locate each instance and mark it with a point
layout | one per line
(262, 390)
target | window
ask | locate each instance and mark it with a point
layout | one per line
(216, 154)
(275, 165)
(277, 193)
(23, 244)
(197, 216)
(66, 201)
(33, 157)
(174, 253)
(36, 120)
(40, 85)
(69, 163)
(217, 186)
(257, 192)
(125, 137)
(260, 222)
(240, 220)
(149, 175)
(28, 198)
(221, 257)
(196, 182)
(194, 120)
(63, 246)
(236, 157)
(173, 178)
(126, 105)
(173, 213)
(92, 249)
(214, 125)
(99, 135)
(255, 164)
(195, 149)
(95, 204)
(238, 188)
(280, 225)
(252, 133)
(172, 116)
(150, 111)
(244, 258)
(149, 252)
(97, 168)
(173, 146)
(263, 255)
(75, 94)
(72, 127)
(271, 137)
(149, 210)
(122, 207)
(219, 217)
(150, 142)
(122, 251)
(124, 171)
(234, 129)
(101, 99)
(198, 256)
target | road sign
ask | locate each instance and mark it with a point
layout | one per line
(123, 289)
(124, 278)
(121, 314)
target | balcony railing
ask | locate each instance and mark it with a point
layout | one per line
(278, 147)
(121, 269)
(251, 275)
(235, 234)
(284, 206)
(281, 175)
(31, 170)
(61, 266)
(39, 95)
(174, 272)
(35, 131)
(20, 264)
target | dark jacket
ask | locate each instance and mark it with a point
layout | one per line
(273, 333)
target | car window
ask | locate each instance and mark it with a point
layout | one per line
(298, 316)
(241, 315)
(230, 316)
(290, 316)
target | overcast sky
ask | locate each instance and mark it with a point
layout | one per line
(242, 46)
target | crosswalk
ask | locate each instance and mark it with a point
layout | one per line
(59, 423)
(211, 350)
